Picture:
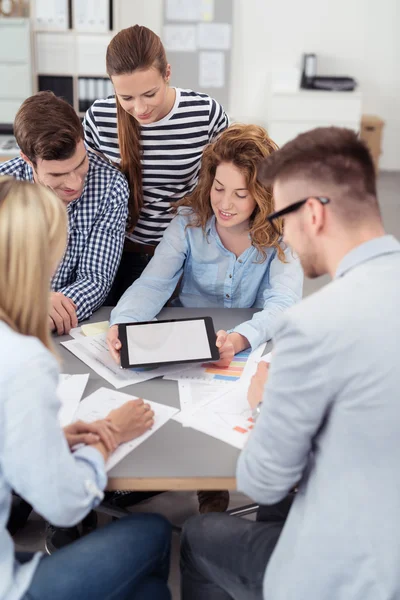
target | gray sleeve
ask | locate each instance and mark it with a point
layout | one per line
(296, 401)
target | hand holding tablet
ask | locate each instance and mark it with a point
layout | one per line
(156, 343)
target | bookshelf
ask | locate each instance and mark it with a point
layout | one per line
(69, 52)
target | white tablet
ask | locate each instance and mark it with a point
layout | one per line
(155, 343)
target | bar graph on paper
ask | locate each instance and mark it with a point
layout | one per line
(208, 373)
(226, 417)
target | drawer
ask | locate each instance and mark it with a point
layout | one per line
(16, 81)
(8, 109)
(15, 42)
(315, 106)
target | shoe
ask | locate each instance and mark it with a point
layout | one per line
(213, 501)
(19, 515)
(58, 537)
(123, 499)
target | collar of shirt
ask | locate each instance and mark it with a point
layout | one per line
(211, 229)
(386, 244)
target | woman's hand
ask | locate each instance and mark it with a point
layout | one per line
(113, 343)
(257, 384)
(228, 345)
(90, 433)
(132, 419)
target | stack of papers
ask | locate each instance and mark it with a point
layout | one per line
(94, 352)
(220, 411)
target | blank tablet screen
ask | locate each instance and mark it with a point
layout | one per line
(168, 342)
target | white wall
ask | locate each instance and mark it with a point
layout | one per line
(360, 38)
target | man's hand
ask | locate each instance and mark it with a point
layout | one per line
(62, 317)
(228, 345)
(132, 419)
(257, 385)
(113, 343)
(91, 433)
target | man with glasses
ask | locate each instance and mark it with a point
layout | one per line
(329, 407)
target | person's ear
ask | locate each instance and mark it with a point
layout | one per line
(316, 213)
(26, 159)
(168, 73)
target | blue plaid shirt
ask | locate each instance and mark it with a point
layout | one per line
(96, 230)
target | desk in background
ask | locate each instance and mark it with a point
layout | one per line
(175, 457)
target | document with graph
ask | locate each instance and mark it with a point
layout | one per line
(227, 417)
(241, 367)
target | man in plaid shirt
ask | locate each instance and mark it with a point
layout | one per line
(50, 136)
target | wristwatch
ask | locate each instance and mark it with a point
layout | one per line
(256, 411)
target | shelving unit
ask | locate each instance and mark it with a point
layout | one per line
(68, 55)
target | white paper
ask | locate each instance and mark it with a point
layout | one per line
(91, 15)
(77, 333)
(214, 36)
(100, 403)
(70, 391)
(190, 10)
(211, 69)
(94, 352)
(227, 418)
(193, 396)
(243, 366)
(51, 14)
(180, 38)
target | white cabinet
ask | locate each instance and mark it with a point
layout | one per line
(291, 113)
(15, 66)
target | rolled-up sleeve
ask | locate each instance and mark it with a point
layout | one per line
(295, 402)
(37, 463)
(144, 299)
(281, 288)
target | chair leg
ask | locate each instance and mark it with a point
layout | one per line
(242, 511)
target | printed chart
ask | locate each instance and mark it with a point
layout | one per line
(242, 366)
(226, 417)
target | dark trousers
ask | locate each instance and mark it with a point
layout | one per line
(224, 557)
(130, 268)
(128, 559)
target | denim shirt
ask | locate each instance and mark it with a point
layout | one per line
(213, 277)
(35, 460)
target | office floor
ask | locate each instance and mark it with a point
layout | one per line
(178, 506)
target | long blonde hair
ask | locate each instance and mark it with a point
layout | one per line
(33, 230)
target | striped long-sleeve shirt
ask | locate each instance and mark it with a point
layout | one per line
(171, 153)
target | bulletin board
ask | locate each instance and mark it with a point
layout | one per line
(197, 35)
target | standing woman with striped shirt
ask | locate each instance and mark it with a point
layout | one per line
(156, 134)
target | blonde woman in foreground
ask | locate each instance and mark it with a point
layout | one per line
(128, 558)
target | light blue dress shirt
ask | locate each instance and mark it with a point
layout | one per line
(35, 460)
(213, 277)
(331, 421)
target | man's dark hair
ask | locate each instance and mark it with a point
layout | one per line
(330, 154)
(47, 127)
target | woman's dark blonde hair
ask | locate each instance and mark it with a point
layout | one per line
(244, 146)
(133, 48)
(33, 236)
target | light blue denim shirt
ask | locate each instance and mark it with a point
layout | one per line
(213, 277)
(330, 422)
(35, 460)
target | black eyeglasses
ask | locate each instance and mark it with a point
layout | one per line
(292, 208)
